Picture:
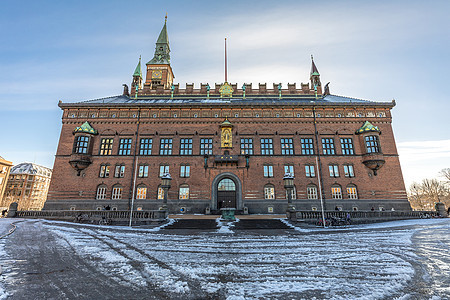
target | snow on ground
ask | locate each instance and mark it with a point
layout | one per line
(5, 226)
(372, 261)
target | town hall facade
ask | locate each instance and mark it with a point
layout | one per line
(225, 146)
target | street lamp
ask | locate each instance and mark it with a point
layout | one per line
(166, 183)
(288, 180)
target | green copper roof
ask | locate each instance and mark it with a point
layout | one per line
(162, 50)
(315, 73)
(137, 71)
(368, 127)
(226, 122)
(314, 70)
(86, 128)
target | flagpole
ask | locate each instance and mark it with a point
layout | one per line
(320, 192)
(226, 60)
(134, 190)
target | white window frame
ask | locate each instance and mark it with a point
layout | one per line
(101, 193)
(269, 192)
(116, 193)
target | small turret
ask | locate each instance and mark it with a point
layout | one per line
(137, 79)
(315, 78)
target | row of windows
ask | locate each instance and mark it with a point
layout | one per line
(183, 192)
(185, 170)
(206, 146)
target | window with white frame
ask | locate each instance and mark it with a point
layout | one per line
(163, 169)
(268, 171)
(119, 171)
(289, 169)
(310, 171)
(101, 192)
(334, 170)
(184, 192)
(104, 171)
(160, 193)
(348, 171)
(116, 192)
(185, 171)
(141, 192)
(143, 171)
(352, 192)
(336, 192)
(269, 192)
(311, 192)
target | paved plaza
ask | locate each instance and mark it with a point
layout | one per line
(56, 260)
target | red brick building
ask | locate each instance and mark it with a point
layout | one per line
(225, 146)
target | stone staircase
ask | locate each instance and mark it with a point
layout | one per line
(243, 224)
(201, 224)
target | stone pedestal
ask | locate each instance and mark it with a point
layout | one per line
(440, 208)
(12, 211)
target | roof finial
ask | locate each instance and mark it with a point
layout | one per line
(165, 18)
(312, 58)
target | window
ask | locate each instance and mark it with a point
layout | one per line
(185, 146)
(206, 146)
(185, 171)
(311, 192)
(334, 170)
(351, 192)
(106, 145)
(81, 145)
(269, 192)
(145, 147)
(328, 146)
(348, 171)
(124, 146)
(307, 146)
(163, 169)
(347, 146)
(116, 192)
(247, 146)
(309, 170)
(266, 147)
(336, 192)
(268, 171)
(184, 192)
(289, 169)
(119, 171)
(143, 171)
(287, 146)
(101, 192)
(160, 193)
(104, 171)
(372, 144)
(141, 192)
(165, 147)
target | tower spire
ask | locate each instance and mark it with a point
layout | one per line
(137, 71)
(316, 85)
(226, 60)
(162, 49)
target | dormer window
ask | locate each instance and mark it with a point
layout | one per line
(372, 144)
(81, 144)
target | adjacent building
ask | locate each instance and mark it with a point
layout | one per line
(27, 185)
(225, 145)
(5, 167)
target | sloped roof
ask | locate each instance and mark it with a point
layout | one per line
(32, 169)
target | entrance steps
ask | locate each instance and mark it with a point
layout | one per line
(208, 222)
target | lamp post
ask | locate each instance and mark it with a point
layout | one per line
(288, 180)
(166, 183)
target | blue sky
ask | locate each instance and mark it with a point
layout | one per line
(376, 50)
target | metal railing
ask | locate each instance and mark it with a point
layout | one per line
(114, 215)
(366, 214)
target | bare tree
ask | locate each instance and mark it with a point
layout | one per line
(446, 174)
(425, 195)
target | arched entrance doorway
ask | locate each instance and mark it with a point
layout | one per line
(226, 194)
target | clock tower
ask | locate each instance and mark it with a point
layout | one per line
(159, 71)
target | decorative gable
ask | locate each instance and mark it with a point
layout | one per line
(86, 128)
(368, 127)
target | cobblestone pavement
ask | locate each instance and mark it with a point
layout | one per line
(56, 260)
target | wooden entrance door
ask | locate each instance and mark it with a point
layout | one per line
(226, 194)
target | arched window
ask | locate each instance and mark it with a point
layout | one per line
(226, 184)
(116, 192)
(184, 192)
(293, 193)
(352, 192)
(336, 192)
(311, 192)
(269, 191)
(101, 192)
(141, 192)
(160, 193)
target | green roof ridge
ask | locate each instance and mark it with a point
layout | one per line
(368, 127)
(86, 128)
